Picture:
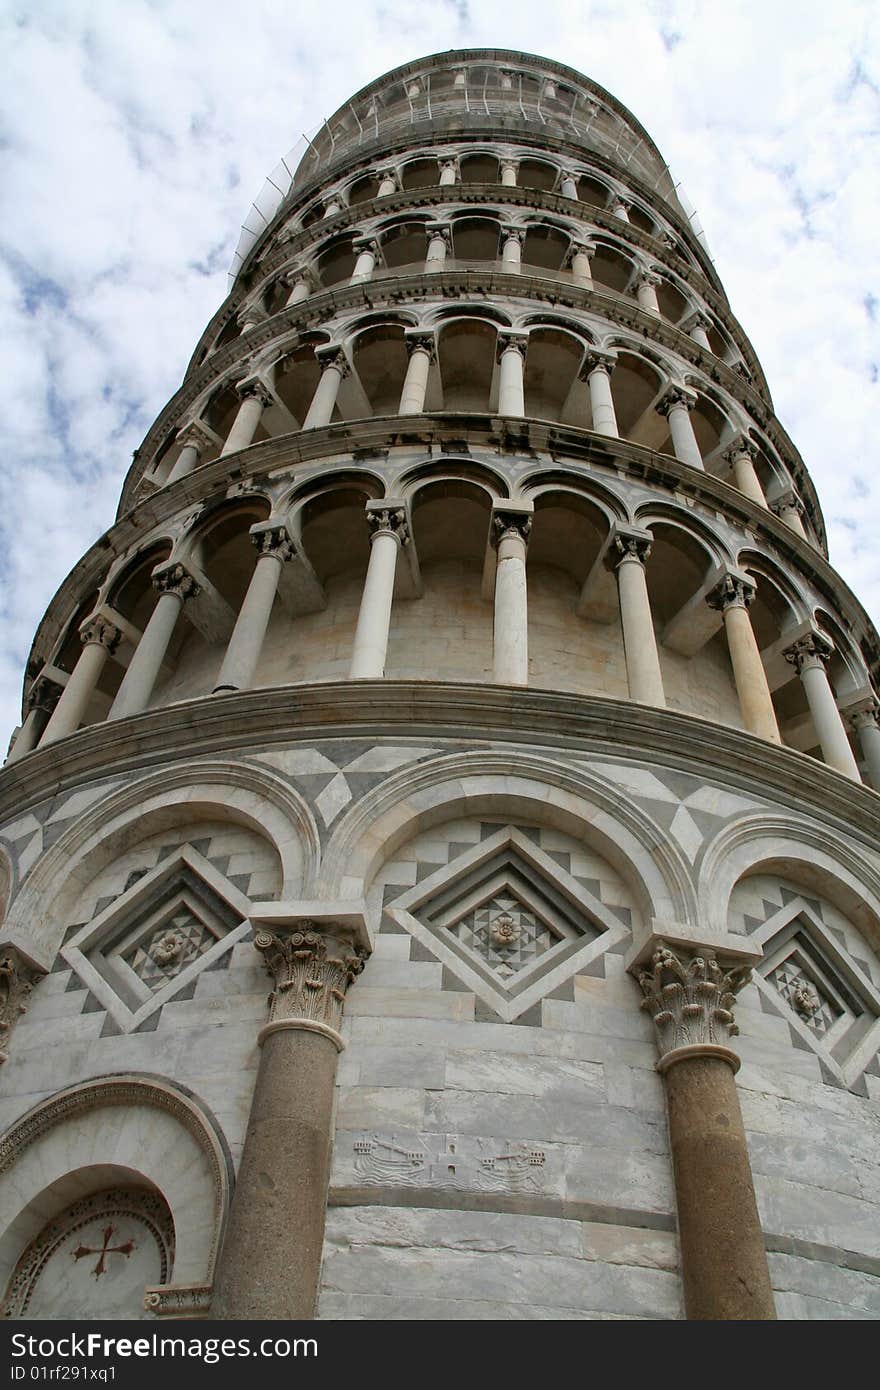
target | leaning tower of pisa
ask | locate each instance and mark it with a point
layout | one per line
(465, 672)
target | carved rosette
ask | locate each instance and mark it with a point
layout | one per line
(312, 971)
(17, 980)
(389, 521)
(690, 998)
(176, 580)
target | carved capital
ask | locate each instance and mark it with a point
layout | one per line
(392, 174)
(390, 521)
(644, 276)
(446, 164)
(628, 544)
(516, 342)
(810, 651)
(100, 632)
(175, 579)
(420, 342)
(733, 591)
(864, 715)
(510, 523)
(696, 320)
(194, 435)
(786, 502)
(367, 243)
(690, 997)
(439, 231)
(508, 164)
(311, 968)
(44, 694)
(738, 448)
(251, 315)
(17, 978)
(676, 396)
(510, 233)
(272, 540)
(615, 201)
(579, 248)
(595, 360)
(332, 357)
(301, 275)
(253, 387)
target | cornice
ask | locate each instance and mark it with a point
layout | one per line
(363, 441)
(248, 723)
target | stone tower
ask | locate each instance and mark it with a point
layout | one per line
(464, 666)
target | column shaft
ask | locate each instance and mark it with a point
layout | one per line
(320, 411)
(245, 425)
(582, 269)
(511, 391)
(723, 1263)
(511, 255)
(387, 184)
(137, 685)
(684, 441)
(869, 738)
(447, 175)
(755, 701)
(28, 735)
(71, 708)
(568, 187)
(747, 480)
(246, 642)
(271, 1256)
(511, 641)
(436, 257)
(646, 294)
(643, 674)
(364, 265)
(602, 402)
(186, 461)
(827, 722)
(508, 176)
(412, 397)
(374, 618)
(299, 292)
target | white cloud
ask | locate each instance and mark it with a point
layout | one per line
(136, 135)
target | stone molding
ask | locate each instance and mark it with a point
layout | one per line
(690, 998)
(18, 976)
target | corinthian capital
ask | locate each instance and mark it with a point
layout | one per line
(271, 538)
(813, 649)
(102, 633)
(675, 396)
(733, 591)
(175, 579)
(17, 978)
(507, 521)
(311, 968)
(690, 997)
(388, 519)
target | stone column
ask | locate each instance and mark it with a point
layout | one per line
(511, 390)
(367, 250)
(789, 508)
(690, 997)
(568, 186)
(619, 207)
(510, 536)
(42, 700)
(271, 1258)
(677, 405)
(808, 655)
(733, 597)
(596, 369)
(628, 553)
(511, 249)
(334, 367)
(387, 183)
(439, 243)
(509, 172)
(865, 721)
(332, 205)
(246, 643)
(646, 283)
(254, 399)
(388, 534)
(195, 441)
(697, 327)
(420, 347)
(100, 640)
(448, 172)
(175, 586)
(18, 975)
(580, 258)
(300, 283)
(741, 455)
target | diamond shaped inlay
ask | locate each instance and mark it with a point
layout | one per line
(154, 938)
(509, 920)
(807, 998)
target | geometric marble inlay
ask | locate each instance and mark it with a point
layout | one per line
(805, 995)
(152, 940)
(509, 920)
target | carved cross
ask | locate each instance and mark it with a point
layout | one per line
(103, 1251)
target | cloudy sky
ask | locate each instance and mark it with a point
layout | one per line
(137, 132)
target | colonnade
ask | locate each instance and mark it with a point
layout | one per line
(626, 553)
